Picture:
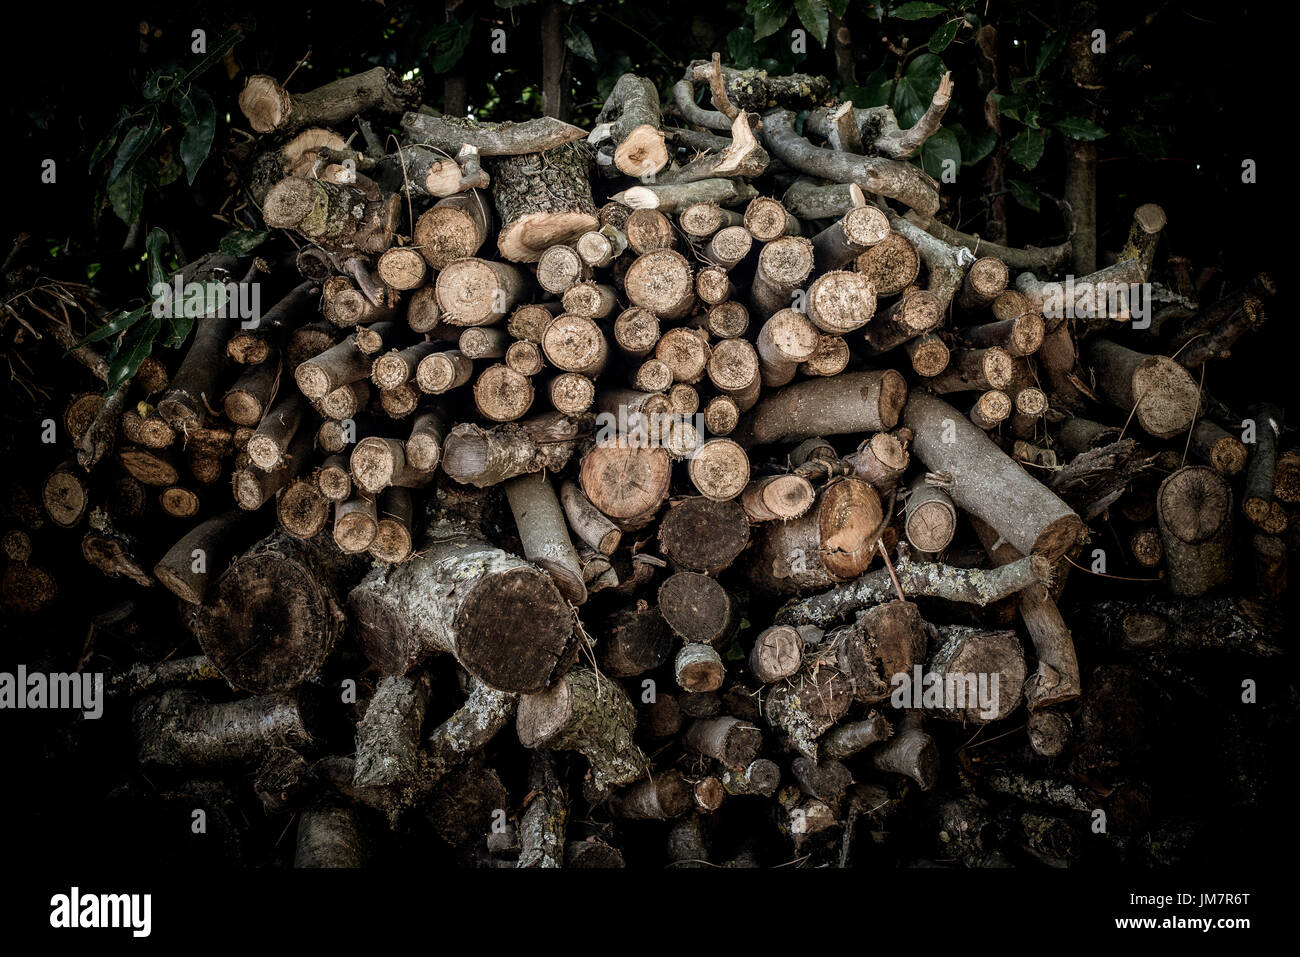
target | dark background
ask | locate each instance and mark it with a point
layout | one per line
(1206, 77)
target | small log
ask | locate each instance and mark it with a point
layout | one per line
(697, 608)
(543, 533)
(661, 282)
(777, 653)
(698, 667)
(987, 483)
(1194, 509)
(847, 403)
(582, 713)
(777, 498)
(1166, 398)
(481, 457)
(477, 292)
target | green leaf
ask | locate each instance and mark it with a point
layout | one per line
(1050, 50)
(1026, 148)
(576, 39)
(874, 90)
(1078, 128)
(158, 83)
(102, 149)
(1009, 104)
(838, 7)
(1024, 194)
(908, 105)
(925, 72)
(510, 4)
(943, 36)
(740, 48)
(241, 242)
(200, 119)
(223, 45)
(119, 324)
(154, 244)
(133, 147)
(941, 147)
(973, 147)
(918, 11)
(125, 365)
(768, 20)
(126, 194)
(449, 40)
(815, 17)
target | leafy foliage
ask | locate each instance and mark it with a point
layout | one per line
(142, 149)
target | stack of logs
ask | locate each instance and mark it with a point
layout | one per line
(713, 365)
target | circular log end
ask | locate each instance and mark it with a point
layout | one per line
(848, 520)
(492, 646)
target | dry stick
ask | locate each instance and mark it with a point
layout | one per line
(267, 446)
(1021, 335)
(699, 221)
(336, 367)
(968, 585)
(248, 399)
(1056, 679)
(632, 111)
(728, 247)
(443, 371)
(1214, 446)
(672, 198)
(179, 729)
(587, 522)
(988, 484)
(777, 498)
(841, 243)
(1257, 497)
(784, 264)
(1159, 392)
(269, 106)
(543, 533)
(810, 201)
(888, 177)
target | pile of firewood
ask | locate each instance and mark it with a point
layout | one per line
(716, 365)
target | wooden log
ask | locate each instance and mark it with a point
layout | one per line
(842, 242)
(335, 367)
(542, 199)
(1218, 448)
(831, 542)
(777, 498)
(697, 608)
(544, 534)
(784, 264)
(1257, 502)
(501, 394)
(703, 535)
(1194, 509)
(786, 339)
(729, 247)
(272, 617)
(1166, 398)
(481, 457)
(987, 483)
(846, 403)
(777, 653)
(584, 714)
(661, 282)
(892, 264)
(699, 668)
(477, 292)
(443, 371)
(457, 596)
(915, 314)
(686, 352)
(268, 444)
(719, 469)
(930, 519)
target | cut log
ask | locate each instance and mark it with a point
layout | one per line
(541, 199)
(987, 483)
(1194, 508)
(847, 403)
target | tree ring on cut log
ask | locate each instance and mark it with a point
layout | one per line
(731, 244)
(290, 202)
(891, 264)
(574, 344)
(372, 464)
(840, 301)
(267, 625)
(661, 281)
(865, 226)
(849, 520)
(489, 613)
(786, 261)
(1168, 399)
(502, 394)
(719, 469)
(766, 218)
(1194, 503)
(625, 482)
